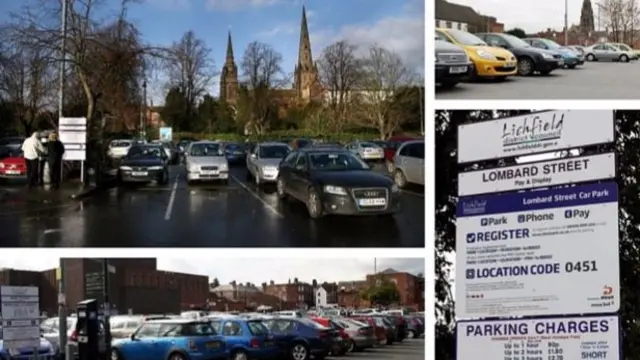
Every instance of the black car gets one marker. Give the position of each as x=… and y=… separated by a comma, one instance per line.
x=144, y=163
x=335, y=181
x=530, y=59
x=235, y=152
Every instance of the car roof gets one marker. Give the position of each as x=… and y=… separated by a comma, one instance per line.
x=177, y=321
x=271, y=143
x=205, y=142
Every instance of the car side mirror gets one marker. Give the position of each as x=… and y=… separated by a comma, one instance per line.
x=253, y=156
x=132, y=337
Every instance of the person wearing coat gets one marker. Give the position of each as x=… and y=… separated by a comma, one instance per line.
x=32, y=148
x=55, y=152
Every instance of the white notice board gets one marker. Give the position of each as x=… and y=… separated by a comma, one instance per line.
x=73, y=135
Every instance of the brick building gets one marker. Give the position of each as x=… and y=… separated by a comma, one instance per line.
x=461, y=17
x=299, y=293
x=410, y=287
x=134, y=285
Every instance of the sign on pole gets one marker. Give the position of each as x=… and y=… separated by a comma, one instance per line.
x=595, y=337
x=166, y=134
x=533, y=133
x=73, y=135
x=539, y=174
x=538, y=253
x=20, y=317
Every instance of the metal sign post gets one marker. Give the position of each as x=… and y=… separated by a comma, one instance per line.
x=20, y=317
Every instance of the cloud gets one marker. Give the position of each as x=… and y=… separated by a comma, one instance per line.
x=171, y=4
x=236, y=5
x=286, y=28
x=255, y=270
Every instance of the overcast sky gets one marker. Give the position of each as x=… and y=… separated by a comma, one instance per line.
x=256, y=270
x=532, y=16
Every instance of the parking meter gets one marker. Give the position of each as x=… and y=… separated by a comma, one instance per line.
x=87, y=329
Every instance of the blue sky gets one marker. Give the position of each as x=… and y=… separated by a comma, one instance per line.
x=396, y=24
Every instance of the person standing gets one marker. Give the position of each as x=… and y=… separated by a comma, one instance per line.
x=55, y=151
x=31, y=150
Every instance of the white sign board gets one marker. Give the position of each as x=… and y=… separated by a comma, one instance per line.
x=20, y=316
x=539, y=174
x=73, y=134
x=595, y=337
x=538, y=253
x=534, y=133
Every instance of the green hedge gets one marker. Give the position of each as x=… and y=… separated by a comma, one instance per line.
x=277, y=135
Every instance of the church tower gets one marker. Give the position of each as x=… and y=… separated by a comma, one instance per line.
x=229, y=76
x=306, y=79
x=586, y=18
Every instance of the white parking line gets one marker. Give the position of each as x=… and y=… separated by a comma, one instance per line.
x=255, y=195
x=172, y=199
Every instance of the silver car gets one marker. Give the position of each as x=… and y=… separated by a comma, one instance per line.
x=205, y=161
x=362, y=335
x=366, y=151
x=409, y=164
x=607, y=52
x=263, y=162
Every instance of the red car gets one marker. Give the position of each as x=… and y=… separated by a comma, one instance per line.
x=13, y=166
x=341, y=341
x=380, y=332
x=391, y=147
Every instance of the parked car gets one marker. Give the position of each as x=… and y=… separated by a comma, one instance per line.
x=341, y=339
x=143, y=164
x=627, y=48
x=45, y=351
x=361, y=335
x=391, y=149
x=380, y=332
x=50, y=330
x=570, y=57
x=488, y=62
x=577, y=48
x=530, y=59
x=452, y=63
x=301, y=338
x=235, y=152
x=263, y=163
x=205, y=161
x=12, y=165
x=365, y=150
x=334, y=181
x=409, y=164
x=607, y=52
x=300, y=143
x=246, y=339
x=13, y=142
x=173, y=339
x=415, y=327
x=119, y=148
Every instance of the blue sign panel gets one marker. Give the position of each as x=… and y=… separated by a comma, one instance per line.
x=166, y=134
x=537, y=200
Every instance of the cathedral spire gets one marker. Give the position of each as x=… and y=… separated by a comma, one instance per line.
x=229, y=48
x=304, y=52
x=586, y=17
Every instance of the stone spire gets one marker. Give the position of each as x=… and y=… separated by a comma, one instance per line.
x=229, y=76
x=586, y=17
x=305, y=61
x=229, y=49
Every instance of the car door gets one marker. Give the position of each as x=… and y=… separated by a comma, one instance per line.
x=299, y=177
x=253, y=161
x=612, y=52
x=419, y=152
x=233, y=334
x=286, y=167
x=143, y=345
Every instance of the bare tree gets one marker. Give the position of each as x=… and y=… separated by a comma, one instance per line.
x=615, y=18
x=190, y=68
x=340, y=71
x=384, y=77
x=262, y=71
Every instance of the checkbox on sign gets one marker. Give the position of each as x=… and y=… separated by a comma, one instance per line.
x=567, y=214
x=521, y=218
x=484, y=222
x=471, y=238
x=470, y=274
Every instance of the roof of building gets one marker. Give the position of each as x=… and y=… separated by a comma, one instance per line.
x=238, y=287
x=454, y=12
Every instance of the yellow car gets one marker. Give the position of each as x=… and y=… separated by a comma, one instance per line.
x=487, y=61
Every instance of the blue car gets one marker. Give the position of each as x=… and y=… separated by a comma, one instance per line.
x=171, y=339
x=571, y=58
x=45, y=351
x=301, y=338
x=246, y=339
x=235, y=153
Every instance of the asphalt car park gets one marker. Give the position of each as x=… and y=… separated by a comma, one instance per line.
x=593, y=80
x=409, y=349
x=239, y=214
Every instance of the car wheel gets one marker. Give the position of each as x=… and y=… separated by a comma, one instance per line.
x=399, y=179
x=591, y=57
x=176, y=356
x=314, y=204
x=280, y=189
x=624, y=58
x=525, y=67
x=572, y=66
x=164, y=178
x=411, y=334
x=239, y=355
x=299, y=351
x=352, y=346
x=115, y=354
x=446, y=85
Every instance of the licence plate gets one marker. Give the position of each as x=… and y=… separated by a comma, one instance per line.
x=560, y=62
x=269, y=343
x=139, y=173
x=458, y=70
x=210, y=173
x=510, y=64
x=12, y=172
x=213, y=345
x=372, y=202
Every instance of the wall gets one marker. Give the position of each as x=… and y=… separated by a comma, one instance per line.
x=149, y=301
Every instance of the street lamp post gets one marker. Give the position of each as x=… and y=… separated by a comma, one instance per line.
x=566, y=22
x=107, y=306
x=143, y=110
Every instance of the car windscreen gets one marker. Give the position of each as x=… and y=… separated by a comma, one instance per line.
x=273, y=151
x=516, y=42
x=302, y=143
x=551, y=44
x=139, y=152
x=369, y=145
x=120, y=143
x=210, y=149
x=466, y=38
x=336, y=161
x=313, y=324
x=257, y=328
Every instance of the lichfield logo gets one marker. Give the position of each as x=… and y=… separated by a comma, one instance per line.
x=532, y=130
x=474, y=207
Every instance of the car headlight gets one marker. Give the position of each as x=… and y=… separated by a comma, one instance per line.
x=1, y=165
x=125, y=168
x=335, y=190
x=192, y=168
x=155, y=168
x=486, y=55
x=395, y=188
x=547, y=56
